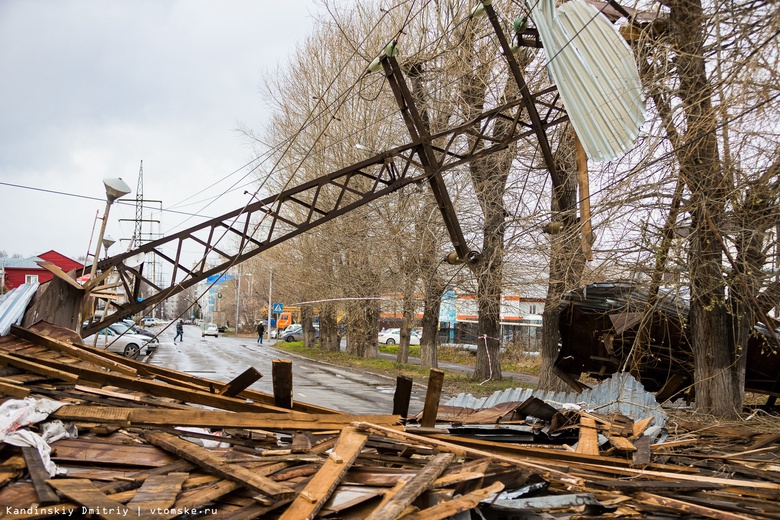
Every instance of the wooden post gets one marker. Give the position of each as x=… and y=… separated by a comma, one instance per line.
x=432, y=397
x=241, y=382
x=587, y=237
x=39, y=475
x=283, y=383
x=403, y=393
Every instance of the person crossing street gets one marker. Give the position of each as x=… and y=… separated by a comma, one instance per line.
x=260, y=332
x=179, y=332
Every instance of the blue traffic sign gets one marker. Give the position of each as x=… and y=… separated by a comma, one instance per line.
x=277, y=308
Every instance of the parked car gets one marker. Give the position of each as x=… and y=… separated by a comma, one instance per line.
x=393, y=336
x=128, y=345
x=210, y=330
x=122, y=326
x=148, y=321
x=296, y=333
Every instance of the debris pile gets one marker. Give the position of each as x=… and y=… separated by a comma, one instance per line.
x=144, y=441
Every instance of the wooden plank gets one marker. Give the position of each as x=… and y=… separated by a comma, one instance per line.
x=465, y=451
x=282, y=375
x=241, y=382
x=301, y=443
x=158, y=492
x=84, y=492
x=731, y=482
x=621, y=443
x=215, y=419
x=37, y=368
x=321, y=486
x=641, y=425
x=198, y=498
x=589, y=440
x=213, y=464
x=457, y=478
x=39, y=475
x=418, y=485
x=12, y=390
x=642, y=454
x=432, y=398
x=59, y=273
x=70, y=350
x=765, y=440
x=94, y=451
x=452, y=507
x=687, y=507
x=632, y=486
x=402, y=396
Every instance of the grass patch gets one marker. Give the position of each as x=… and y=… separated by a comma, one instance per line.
x=454, y=382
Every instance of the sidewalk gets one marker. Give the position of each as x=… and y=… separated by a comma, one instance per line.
x=522, y=379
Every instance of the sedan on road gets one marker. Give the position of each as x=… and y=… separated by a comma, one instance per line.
x=210, y=330
x=393, y=337
x=128, y=345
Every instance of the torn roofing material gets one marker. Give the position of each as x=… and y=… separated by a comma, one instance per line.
x=599, y=324
x=621, y=393
x=13, y=304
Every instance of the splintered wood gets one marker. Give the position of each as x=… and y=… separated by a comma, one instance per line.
x=156, y=443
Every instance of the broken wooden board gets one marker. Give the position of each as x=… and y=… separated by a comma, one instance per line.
x=321, y=486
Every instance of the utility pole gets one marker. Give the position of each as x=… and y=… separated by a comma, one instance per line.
x=270, y=310
x=238, y=296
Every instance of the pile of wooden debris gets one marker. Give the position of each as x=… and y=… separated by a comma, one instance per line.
x=156, y=443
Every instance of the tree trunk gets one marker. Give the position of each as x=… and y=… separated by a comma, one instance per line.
x=406, y=322
x=363, y=329
x=307, y=326
x=429, y=355
x=567, y=260
x=700, y=167
x=329, y=329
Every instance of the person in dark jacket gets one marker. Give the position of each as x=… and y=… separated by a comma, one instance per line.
x=260, y=332
x=179, y=331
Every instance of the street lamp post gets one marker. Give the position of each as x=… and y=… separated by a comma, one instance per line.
x=115, y=188
x=270, y=286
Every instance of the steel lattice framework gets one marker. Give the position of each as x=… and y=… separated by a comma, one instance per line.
x=277, y=218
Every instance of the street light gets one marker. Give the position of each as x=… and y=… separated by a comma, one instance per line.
x=115, y=188
x=108, y=241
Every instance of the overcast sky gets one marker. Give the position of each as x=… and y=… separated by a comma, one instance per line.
x=90, y=88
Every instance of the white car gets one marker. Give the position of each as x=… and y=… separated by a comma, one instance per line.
x=210, y=330
x=393, y=337
x=128, y=345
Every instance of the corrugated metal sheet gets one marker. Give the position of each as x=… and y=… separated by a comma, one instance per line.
x=620, y=393
x=595, y=72
x=13, y=304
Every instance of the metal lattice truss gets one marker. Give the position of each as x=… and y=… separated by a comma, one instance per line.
x=244, y=233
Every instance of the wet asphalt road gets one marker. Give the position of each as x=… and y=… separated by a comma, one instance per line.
x=322, y=384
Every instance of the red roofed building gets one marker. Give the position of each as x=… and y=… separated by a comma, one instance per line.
x=17, y=271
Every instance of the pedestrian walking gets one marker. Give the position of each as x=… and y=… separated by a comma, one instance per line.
x=179, y=331
x=260, y=332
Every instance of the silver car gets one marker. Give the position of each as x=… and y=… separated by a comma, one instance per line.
x=128, y=345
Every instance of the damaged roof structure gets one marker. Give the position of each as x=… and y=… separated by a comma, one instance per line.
x=599, y=324
x=90, y=433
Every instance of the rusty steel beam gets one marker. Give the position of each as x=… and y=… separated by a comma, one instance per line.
x=533, y=112
x=419, y=132
x=277, y=218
